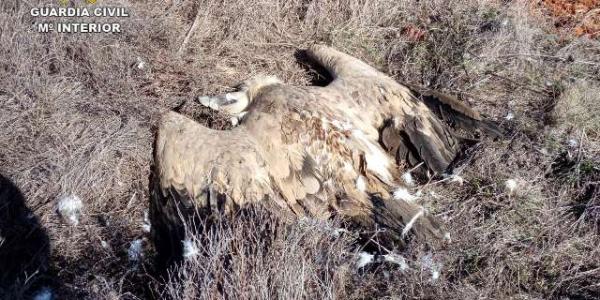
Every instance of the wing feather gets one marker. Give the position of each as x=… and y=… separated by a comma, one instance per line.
x=203, y=163
x=294, y=172
x=198, y=162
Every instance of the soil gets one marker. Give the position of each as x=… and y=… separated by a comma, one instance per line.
x=580, y=17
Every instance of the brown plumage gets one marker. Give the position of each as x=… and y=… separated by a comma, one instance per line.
x=312, y=151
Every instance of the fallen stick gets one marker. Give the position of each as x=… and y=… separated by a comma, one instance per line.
x=189, y=34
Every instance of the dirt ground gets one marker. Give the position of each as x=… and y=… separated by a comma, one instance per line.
x=580, y=17
x=78, y=114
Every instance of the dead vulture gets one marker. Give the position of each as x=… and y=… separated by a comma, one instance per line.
x=313, y=151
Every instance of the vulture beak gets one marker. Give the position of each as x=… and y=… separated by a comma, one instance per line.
x=231, y=103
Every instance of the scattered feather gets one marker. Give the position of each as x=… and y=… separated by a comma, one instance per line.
x=510, y=186
x=146, y=216
x=146, y=225
x=189, y=249
x=135, y=251
x=435, y=275
x=408, y=179
x=457, y=179
x=429, y=264
x=412, y=221
x=69, y=208
x=338, y=232
x=396, y=259
x=403, y=194
x=140, y=63
x=44, y=294
x=509, y=116
x=573, y=143
x=447, y=237
x=364, y=259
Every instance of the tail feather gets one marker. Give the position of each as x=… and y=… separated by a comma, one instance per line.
x=398, y=217
x=421, y=139
x=428, y=137
x=456, y=112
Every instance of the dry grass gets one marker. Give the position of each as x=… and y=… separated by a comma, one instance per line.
x=582, y=17
x=578, y=106
x=259, y=256
x=76, y=118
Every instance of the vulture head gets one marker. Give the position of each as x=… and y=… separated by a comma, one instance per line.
x=311, y=151
x=236, y=103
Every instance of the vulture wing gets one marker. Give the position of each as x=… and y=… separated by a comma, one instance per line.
x=200, y=169
x=310, y=150
x=209, y=168
x=223, y=170
x=413, y=124
x=456, y=112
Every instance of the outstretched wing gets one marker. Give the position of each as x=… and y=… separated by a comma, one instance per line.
x=228, y=169
x=207, y=167
x=456, y=112
x=411, y=123
x=200, y=169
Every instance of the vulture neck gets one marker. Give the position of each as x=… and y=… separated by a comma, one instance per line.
x=253, y=86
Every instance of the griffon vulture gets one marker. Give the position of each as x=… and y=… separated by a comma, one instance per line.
x=315, y=151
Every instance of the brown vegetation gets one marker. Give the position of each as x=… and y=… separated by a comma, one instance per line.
x=580, y=16
x=77, y=113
